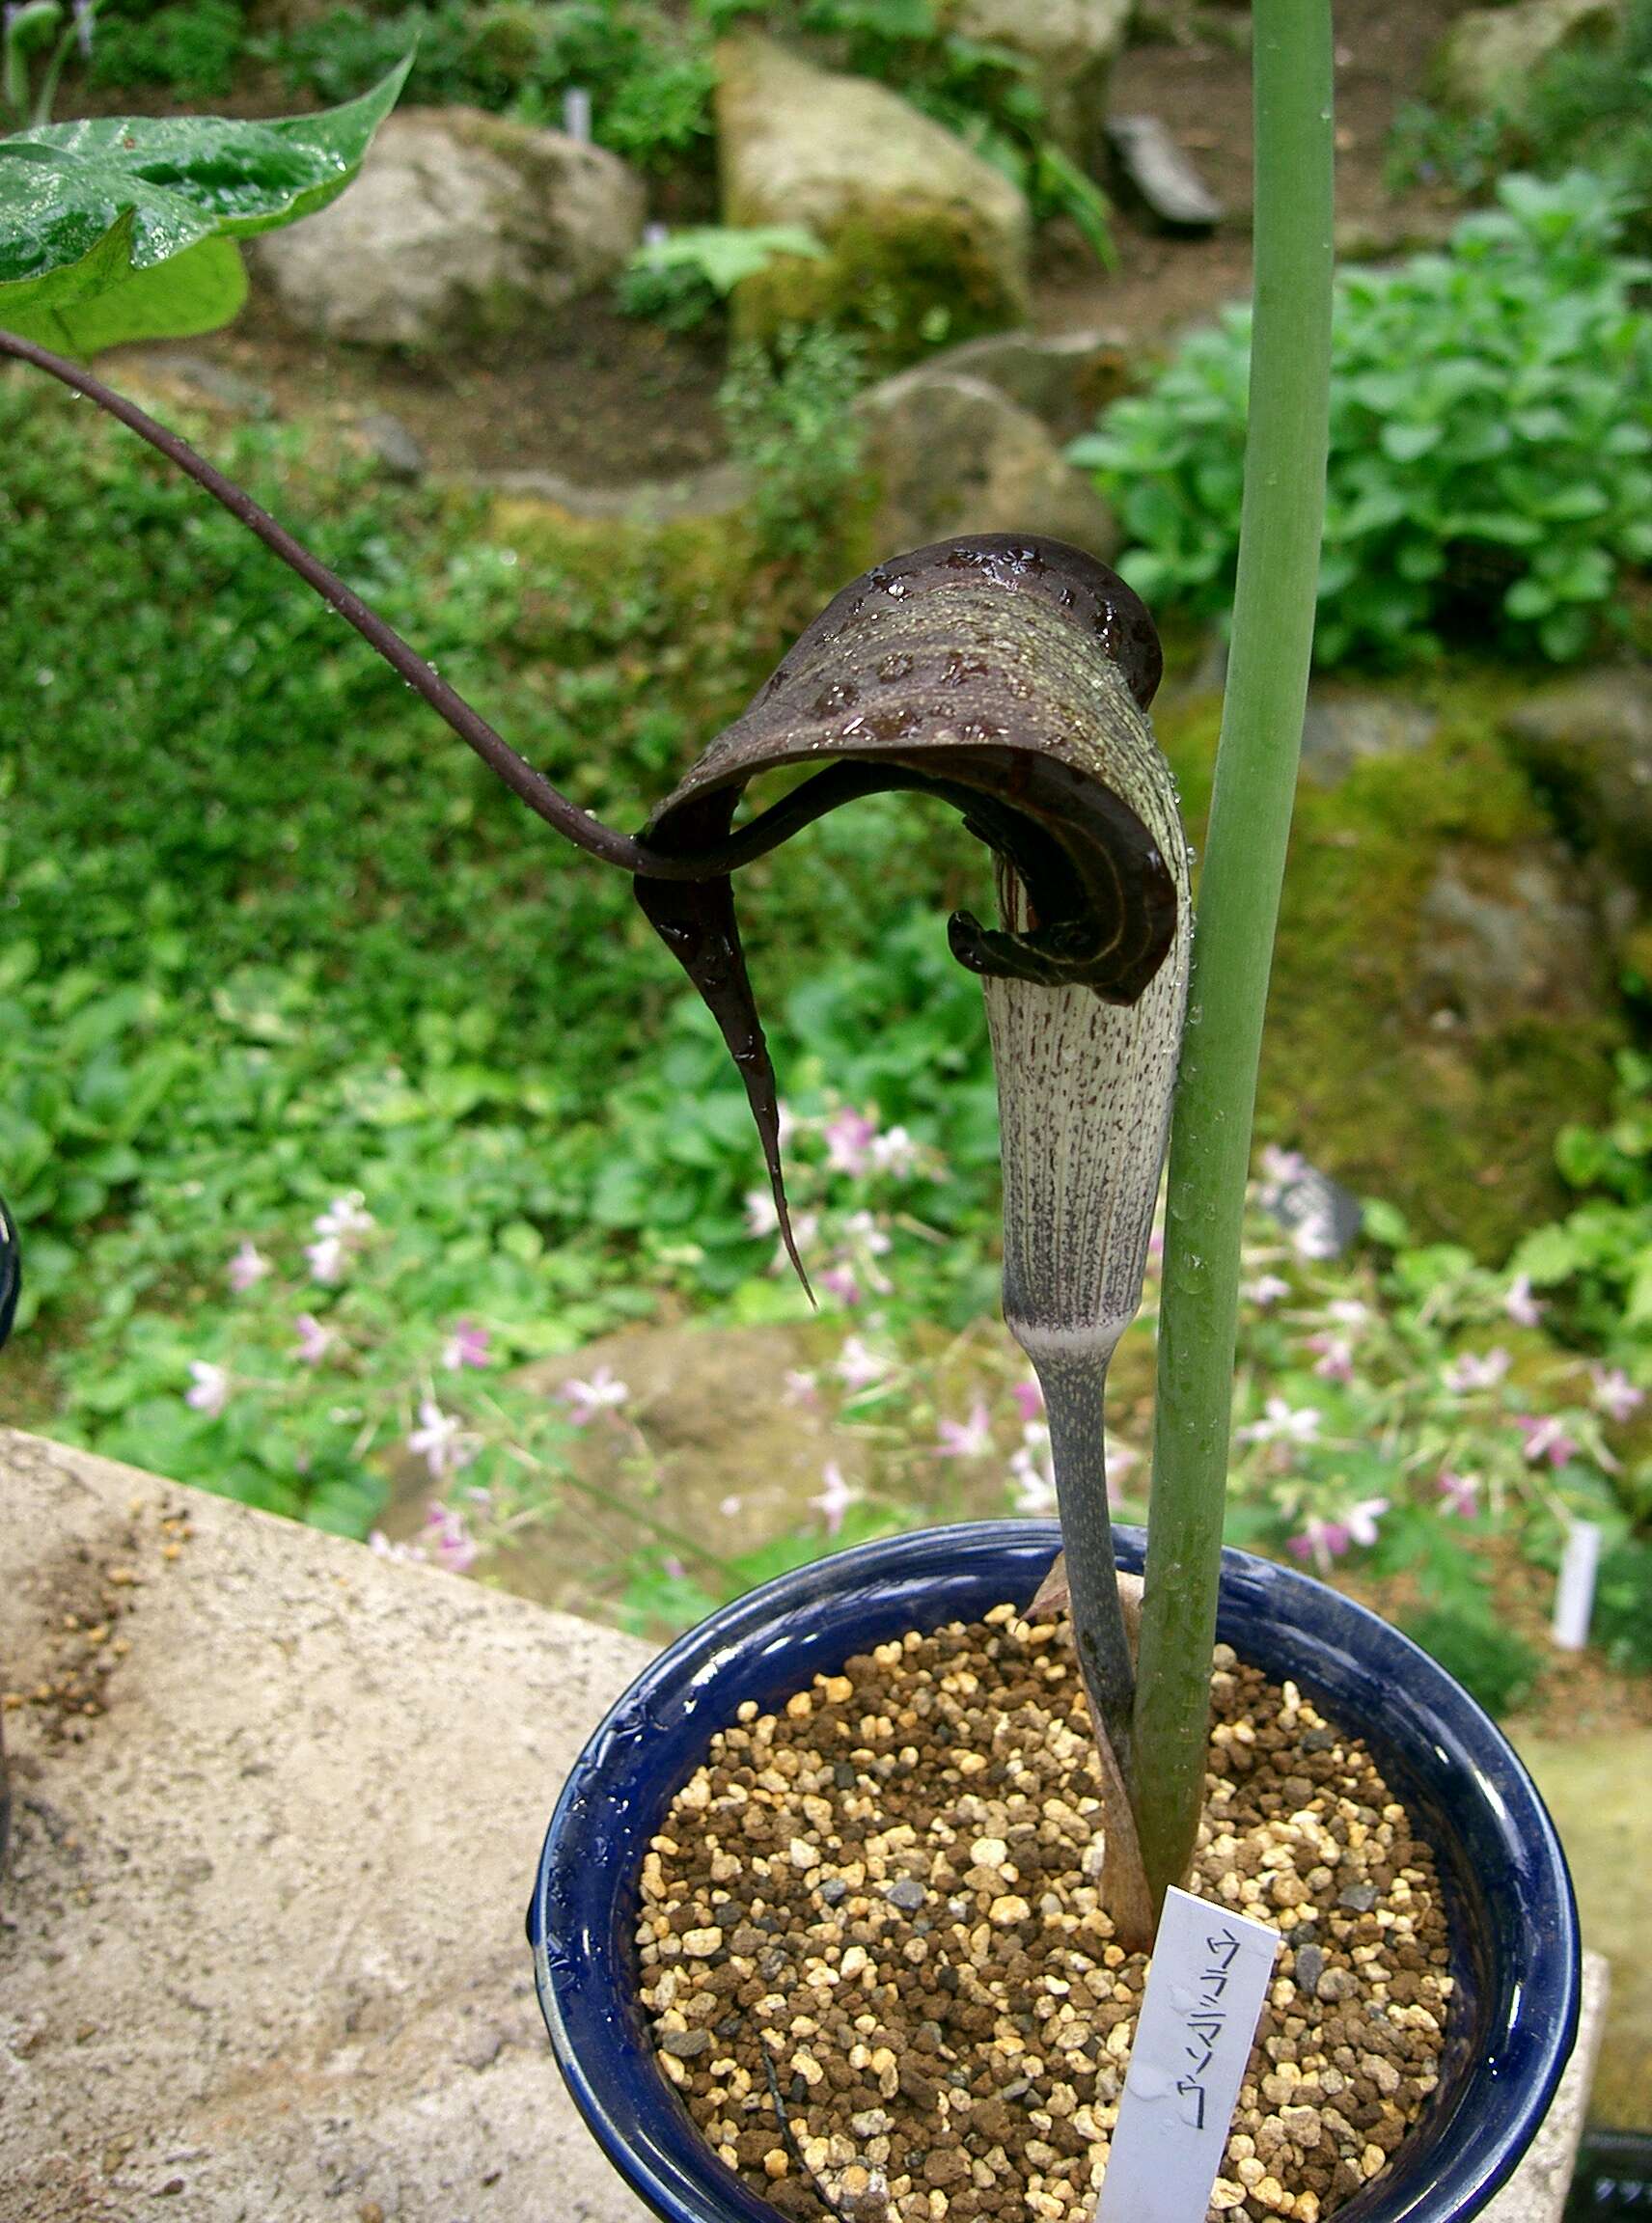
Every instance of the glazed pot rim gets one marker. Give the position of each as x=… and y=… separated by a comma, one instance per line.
x=1514, y=1932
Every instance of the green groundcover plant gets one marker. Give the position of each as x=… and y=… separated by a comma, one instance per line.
x=1491, y=443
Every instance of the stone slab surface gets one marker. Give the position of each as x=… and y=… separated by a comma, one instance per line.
x=261, y=1946
x=262, y=1954
x=1537, y=2192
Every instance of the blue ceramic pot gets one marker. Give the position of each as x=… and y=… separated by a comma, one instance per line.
x=1509, y=1909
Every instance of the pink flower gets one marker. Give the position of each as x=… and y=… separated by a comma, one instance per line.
x=1469, y=1374
x=729, y=1506
x=440, y=1440
x=1283, y=1423
x=208, y=1388
x=1033, y=1474
x=467, y=1346
x=856, y=1367
x=1335, y=1360
x=247, y=1266
x=604, y=1392
x=839, y=1281
x=1460, y=1492
x=970, y=1438
x=849, y=1139
x=800, y=1387
x=674, y=1569
x=1545, y=1437
x=1320, y=1541
x=834, y=1499
x=1613, y=1393
x=1522, y=1307
x=1267, y=1289
x=1028, y=1400
x=1283, y=1167
x=1348, y=1312
x=313, y=1340
x=451, y=1542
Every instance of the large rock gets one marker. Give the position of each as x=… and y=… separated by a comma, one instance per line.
x=460, y=225
x=1069, y=46
x=954, y=454
x=1507, y=941
x=1590, y=741
x=1444, y=993
x=926, y=242
x=1490, y=54
x=1065, y=379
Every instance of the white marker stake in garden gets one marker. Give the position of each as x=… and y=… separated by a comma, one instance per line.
x=1205, y=1988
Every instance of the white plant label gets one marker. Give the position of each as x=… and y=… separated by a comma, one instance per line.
x=1207, y=1984
x=1575, y=1593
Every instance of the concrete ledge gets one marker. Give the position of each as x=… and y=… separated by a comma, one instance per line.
x=261, y=1956
x=262, y=1947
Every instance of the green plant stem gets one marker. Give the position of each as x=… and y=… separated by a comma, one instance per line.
x=1238, y=907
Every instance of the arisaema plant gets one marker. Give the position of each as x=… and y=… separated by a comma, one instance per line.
x=1008, y=680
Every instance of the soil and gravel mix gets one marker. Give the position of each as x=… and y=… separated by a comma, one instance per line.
x=880, y=1976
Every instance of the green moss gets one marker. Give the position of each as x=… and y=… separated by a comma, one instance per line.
x=903, y=287
x=1455, y=1128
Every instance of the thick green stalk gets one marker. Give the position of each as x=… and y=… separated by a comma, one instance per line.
x=1238, y=906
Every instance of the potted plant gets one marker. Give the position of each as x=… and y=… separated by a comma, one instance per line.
x=1009, y=679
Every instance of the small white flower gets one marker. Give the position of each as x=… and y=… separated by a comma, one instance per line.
x=1283, y=1423
x=1522, y=1306
x=834, y=1499
x=856, y=1367
x=604, y=1393
x=440, y=1439
x=208, y=1388
x=1613, y=1393
x=762, y=1212
x=1267, y=1289
x=1361, y=1521
x=326, y=1258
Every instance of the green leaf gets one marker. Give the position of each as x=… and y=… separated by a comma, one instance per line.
x=195, y=292
x=726, y=254
x=83, y=205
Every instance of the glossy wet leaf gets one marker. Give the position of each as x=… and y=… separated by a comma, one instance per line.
x=198, y=290
x=84, y=204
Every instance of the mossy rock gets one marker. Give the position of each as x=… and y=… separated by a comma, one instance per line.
x=1444, y=1104
x=926, y=243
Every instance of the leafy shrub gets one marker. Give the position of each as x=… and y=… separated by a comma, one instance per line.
x=790, y=421
x=682, y=280
x=190, y=46
x=1622, y=1622
x=1589, y=106
x=1491, y=419
x=1496, y=1668
x=1592, y=105
x=649, y=75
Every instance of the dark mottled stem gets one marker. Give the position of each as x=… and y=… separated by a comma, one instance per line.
x=1074, y=1389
